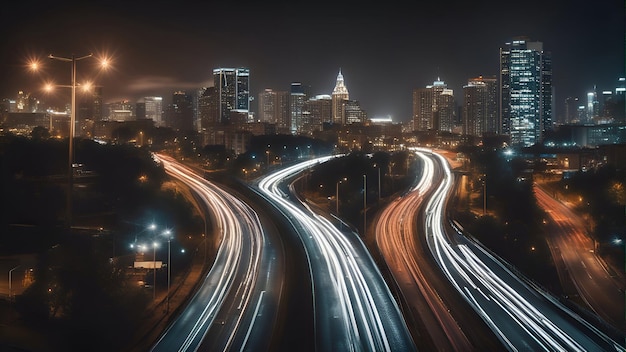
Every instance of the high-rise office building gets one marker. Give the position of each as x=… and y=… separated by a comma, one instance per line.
x=593, y=106
x=339, y=96
x=352, y=112
x=613, y=108
x=151, y=108
x=121, y=111
x=209, y=116
x=317, y=111
x=180, y=112
x=571, y=115
x=26, y=102
x=525, y=91
x=22, y=101
x=267, y=106
x=208, y=108
x=480, y=107
x=89, y=105
x=233, y=91
x=297, y=98
x=434, y=108
x=97, y=103
x=282, y=113
x=274, y=108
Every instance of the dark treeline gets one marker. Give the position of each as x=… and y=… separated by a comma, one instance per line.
x=82, y=297
x=267, y=150
x=513, y=226
x=344, y=177
x=602, y=195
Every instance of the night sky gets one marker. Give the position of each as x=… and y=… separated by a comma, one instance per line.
x=383, y=50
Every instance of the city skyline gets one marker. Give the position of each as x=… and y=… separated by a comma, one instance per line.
x=157, y=50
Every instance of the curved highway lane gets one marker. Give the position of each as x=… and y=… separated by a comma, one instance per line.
x=428, y=295
x=235, y=307
x=522, y=316
x=354, y=308
x=602, y=292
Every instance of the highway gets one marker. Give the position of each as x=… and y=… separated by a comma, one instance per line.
x=235, y=308
x=354, y=308
x=432, y=302
x=570, y=245
x=521, y=315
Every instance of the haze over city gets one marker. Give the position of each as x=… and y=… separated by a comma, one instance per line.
x=384, y=50
x=312, y=177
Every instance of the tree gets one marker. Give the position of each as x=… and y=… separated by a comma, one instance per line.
x=80, y=292
x=40, y=133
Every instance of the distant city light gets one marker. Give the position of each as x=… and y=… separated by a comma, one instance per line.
x=386, y=119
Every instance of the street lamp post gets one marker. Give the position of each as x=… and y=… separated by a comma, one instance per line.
x=391, y=176
x=205, y=245
x=70, y=163
x=169, y=267
x=378, y=167
x=364, y=204
x=485, y=195
x=337, y=198
x=154, y=245
x=337, y=195
x=11, y=282
x=337, y=201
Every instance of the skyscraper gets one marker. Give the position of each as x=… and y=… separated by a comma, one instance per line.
x=614, y=108
x=352, y=112
x=593, y=106
x=571, y=111
x=480, y=107
x=233, y=90
x=180, y=112
x=22, y=101
x=208, y=108
x=317, y=111
x=90, y=105
x=297, y=98
x=274, y=108
x=525, y=91
x=339, y=96
x=433, y=107
x=152, y=109
x=122, y=110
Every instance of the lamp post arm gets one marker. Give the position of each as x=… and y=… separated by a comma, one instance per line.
x=11, y=281
x=69, y=59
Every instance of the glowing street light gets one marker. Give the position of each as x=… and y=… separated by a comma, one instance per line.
x=169, y=266
x=34, y=66
x=73, y=60
x=337, y=195
x=154, y=246
x=378, y=167
x=153, y=227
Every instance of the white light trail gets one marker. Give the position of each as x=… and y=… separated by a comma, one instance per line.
x=535, y=320
x=240, y=227
x=353, y=310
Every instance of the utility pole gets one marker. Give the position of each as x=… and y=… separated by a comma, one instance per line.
x=364, y=204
